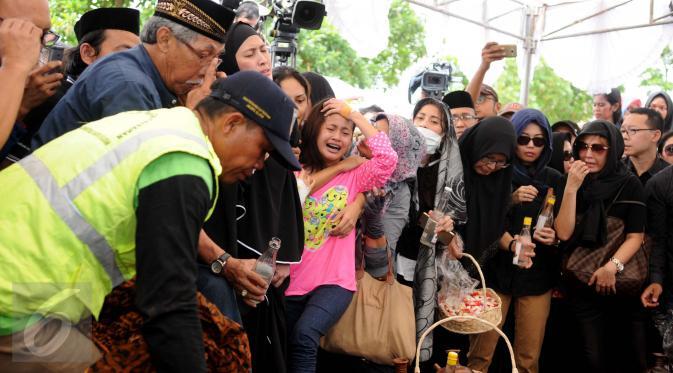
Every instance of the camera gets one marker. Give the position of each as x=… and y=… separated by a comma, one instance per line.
x=308, y=14
x=434, y=80
x=293, y=15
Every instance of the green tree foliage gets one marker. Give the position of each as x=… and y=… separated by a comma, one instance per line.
x=458, y=78
x=658, y=77
x=65, y=13
x=325, y=52
x=553, y=95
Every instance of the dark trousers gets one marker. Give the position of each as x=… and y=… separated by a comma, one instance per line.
x=219, y=292
x=612, y=332
x=309, y=317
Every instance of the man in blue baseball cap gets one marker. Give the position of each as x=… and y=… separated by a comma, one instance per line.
x=122, y=197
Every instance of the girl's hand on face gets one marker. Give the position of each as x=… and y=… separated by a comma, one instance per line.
x=334, y=106
x=578, y=171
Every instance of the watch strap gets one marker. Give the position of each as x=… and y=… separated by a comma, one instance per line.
x=618, y=264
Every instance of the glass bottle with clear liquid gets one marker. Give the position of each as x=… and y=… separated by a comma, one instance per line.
x=546, y=217
x=524, y=238
x=266, y=263
x=429, y=237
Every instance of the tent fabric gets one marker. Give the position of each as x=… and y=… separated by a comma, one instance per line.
x=594, y=63
x=363, y=23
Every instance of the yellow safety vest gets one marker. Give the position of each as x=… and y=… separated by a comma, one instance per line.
x=68, y=222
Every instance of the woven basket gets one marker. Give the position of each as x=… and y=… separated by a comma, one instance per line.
x=463, y=325
x=476, y=320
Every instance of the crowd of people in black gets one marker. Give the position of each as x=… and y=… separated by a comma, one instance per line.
x=146, y=172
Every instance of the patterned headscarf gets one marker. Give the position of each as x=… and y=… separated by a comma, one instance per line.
x=409, y=145
x=450, y=174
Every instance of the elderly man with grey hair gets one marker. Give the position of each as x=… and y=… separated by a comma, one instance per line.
x=180, y=47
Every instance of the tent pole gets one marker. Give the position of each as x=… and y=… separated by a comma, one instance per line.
x=462, y=18
x=529, y=49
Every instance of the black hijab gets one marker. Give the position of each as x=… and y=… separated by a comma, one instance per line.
x=558, y=141
x=601, y=188
x=527, y=175
x=236, y=36
x=320, y=87
x=487, y=196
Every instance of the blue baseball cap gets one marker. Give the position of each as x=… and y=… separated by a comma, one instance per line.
x=259, y=99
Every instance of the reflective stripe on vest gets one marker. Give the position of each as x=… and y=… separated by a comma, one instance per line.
x=61, y=199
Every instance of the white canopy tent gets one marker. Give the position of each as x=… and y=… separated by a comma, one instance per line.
x=595, y=44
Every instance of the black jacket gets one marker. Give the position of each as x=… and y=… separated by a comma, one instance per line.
x=660, y=226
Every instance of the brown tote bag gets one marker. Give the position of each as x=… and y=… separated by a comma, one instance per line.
x=379, y=324
x=583, y=262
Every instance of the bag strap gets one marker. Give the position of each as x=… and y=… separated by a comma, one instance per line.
x=614, y=200
x=359, y=272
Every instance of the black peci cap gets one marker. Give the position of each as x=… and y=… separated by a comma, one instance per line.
x=125, y=19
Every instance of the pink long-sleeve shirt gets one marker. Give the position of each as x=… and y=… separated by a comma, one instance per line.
x=329, y=260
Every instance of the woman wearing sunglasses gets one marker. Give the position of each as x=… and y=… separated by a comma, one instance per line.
x=562, y=152
x=611, y=324
x=666, y=147
x=528, y=290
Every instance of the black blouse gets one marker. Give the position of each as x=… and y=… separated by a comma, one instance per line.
x=508, y=278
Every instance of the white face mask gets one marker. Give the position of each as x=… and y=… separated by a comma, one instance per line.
x=432, y=139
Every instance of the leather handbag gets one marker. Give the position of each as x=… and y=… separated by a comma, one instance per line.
x=583, y=262
x=379, y=323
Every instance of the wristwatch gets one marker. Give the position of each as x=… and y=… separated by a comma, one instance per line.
x=218, y=265
x=618, y=264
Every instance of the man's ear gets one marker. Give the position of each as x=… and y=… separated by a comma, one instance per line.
x=497, y=107
x=87, y=53
x=230, y=122
x=164, y=35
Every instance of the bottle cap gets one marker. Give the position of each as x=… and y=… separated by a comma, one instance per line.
x=527, y=220
x=452, y=359
x=274, y=243
x=551, y=200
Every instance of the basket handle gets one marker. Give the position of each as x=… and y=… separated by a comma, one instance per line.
x=481, y=277
x=417, y=368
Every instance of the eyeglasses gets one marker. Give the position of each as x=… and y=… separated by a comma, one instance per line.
x=493, y=162
x=482, y=98
x=668, y=149
x=464, y=118
x=567, y=155
x=595, y=148
x=538, y=142
x=634, y=131
x=48, y=38
x=203, y=60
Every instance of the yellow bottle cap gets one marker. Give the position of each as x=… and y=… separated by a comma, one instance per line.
x=527, y=220
x=452, y=359
x=551, y=200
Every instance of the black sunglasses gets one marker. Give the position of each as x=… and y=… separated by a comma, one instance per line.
x=538, y=142
x=567, y=155
x=668, y=149
x=595, y=148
